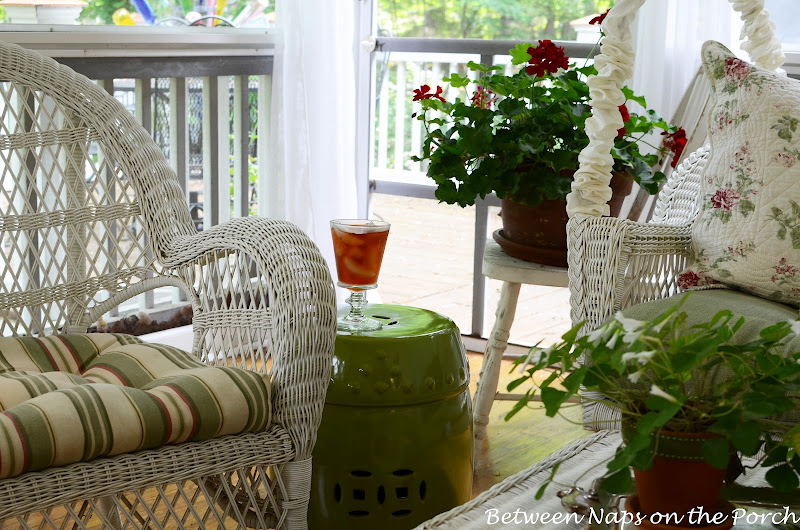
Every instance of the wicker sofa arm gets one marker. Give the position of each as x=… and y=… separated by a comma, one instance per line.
x=264, y=299
x=615, y=263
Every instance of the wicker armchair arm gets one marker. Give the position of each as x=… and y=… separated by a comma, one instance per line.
x=264, y=299
x=615, y=263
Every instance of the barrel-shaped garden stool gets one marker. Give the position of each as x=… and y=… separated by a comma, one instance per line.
x=395, y=444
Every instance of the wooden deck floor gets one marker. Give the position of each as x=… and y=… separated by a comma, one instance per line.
x=511, y=446
x=428, y=263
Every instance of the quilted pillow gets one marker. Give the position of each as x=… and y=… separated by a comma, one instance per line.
x=747, y=235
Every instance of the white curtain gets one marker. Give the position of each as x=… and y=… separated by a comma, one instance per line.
x=667, y=39
x=312, y=162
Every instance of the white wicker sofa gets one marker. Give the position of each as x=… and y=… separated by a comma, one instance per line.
x=91, y=214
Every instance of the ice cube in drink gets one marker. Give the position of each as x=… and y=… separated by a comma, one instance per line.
x=359, y=246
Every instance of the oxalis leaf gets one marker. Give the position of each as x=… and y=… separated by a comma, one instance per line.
x=793, y=438
x=552, y=399
x=747, y=438
x=618, y=482
x=783, y=478
x=716, y=452
x=540, y=491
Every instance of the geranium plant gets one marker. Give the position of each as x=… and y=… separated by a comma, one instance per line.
x=521, y=134
x=660, y=375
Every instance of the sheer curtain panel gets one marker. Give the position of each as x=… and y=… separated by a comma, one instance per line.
x=312, y=167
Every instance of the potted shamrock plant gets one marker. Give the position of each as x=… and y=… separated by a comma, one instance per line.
x=690, y=399
x=519, y=136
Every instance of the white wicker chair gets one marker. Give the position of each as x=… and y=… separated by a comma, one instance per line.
x=92, y=215
x=616, y=263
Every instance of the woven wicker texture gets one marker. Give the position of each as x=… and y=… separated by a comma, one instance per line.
x=581, y=463
x=92, y=215
x=615, y=263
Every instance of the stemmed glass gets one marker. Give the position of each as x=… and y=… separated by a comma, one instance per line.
x=358, y=245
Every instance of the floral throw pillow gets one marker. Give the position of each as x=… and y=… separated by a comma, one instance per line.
x=747, y=235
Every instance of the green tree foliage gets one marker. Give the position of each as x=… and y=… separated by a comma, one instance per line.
x=486, y=19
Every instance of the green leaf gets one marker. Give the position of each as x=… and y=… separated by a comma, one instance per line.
x=457, y=80
x=540, y=491
x=796, y=237
x=552, y=399
x=476, y=67
x=515, y=383
x=573, y=381
x=618, y=482
x=716, y=452
x=629, y=95
x=783, y=478
x=518, y=406
x=747, y=438
x=519, y=53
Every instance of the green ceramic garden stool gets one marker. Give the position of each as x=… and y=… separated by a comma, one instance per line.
x=395, y=444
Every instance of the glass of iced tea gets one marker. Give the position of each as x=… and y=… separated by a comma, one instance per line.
x=358, y=245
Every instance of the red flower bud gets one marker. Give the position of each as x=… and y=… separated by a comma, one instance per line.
x=675, y=142
x=599, y=18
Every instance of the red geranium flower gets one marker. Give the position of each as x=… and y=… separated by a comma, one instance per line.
x=483, y=98
x=623, y=110
x=675, y=142
x=599, y=18
x=546, y=58
x=424, y=92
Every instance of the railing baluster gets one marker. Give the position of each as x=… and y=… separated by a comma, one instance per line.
x=144, y=113
x=241, y=145
x=399, y=116
x=108, y=180
x=216, y=151
x=382, y=132
x=179, y=146
x=416, y=126
x=264, y=116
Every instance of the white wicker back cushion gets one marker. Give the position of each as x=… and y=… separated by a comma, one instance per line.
x=748, y=232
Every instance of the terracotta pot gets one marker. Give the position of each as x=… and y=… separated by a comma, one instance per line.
x=539, y=233
x=679, y=480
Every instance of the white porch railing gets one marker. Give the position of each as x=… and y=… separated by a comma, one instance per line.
x=403, y=64
x=204, y=94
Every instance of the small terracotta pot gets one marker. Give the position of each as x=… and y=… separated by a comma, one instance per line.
x=680, y=479
x=539, y=233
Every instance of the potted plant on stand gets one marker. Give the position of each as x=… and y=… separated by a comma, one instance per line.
x=690, y=401
x=519, y=136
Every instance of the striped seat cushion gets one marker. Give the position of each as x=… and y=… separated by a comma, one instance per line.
x=72, y=398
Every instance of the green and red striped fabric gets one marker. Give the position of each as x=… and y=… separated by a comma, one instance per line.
x=72, y=398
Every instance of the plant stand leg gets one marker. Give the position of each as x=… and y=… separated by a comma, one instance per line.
x=490, y=370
